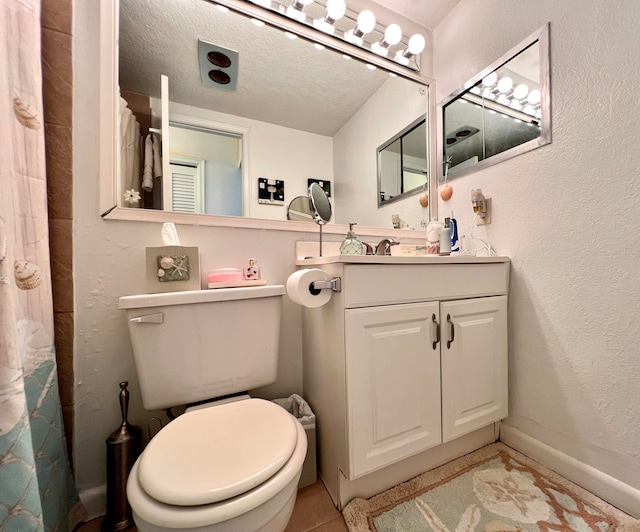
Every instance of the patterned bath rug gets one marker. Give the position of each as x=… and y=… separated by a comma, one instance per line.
x=494, y=489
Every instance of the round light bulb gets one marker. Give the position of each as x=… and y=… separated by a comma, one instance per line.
x=534, y=97
x=336, y=9
x=366, y=21
x=505, y=84
x=392, y=34
x=416, y=44
x=490, y=80
x=520, y=91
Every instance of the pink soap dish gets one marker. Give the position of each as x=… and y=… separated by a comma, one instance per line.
x=237, y=284
x=224, y=275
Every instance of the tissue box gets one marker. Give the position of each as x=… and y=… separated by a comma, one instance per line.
x=172, y=269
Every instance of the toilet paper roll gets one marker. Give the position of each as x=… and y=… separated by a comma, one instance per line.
x=298, y=288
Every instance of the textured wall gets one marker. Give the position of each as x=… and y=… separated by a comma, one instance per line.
x=568, y=216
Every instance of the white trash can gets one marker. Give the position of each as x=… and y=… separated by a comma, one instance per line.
x=301, y=410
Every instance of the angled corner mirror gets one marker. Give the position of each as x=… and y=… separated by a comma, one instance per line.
x=402, y=163
x=501, y=113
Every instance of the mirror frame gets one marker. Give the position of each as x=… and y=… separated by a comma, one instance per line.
x=109, y=157
x=408, y=193
x=542, y=37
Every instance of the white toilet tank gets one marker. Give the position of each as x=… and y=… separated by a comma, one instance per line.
x=196, y=345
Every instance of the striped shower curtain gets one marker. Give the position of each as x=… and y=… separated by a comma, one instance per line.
x=36, y=487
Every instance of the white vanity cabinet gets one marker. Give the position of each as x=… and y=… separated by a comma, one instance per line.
x=407, y=361
x=422, y=374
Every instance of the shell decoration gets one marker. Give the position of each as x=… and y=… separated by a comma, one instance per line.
x=27, y=275
x=166, y=262
x=26, y=114
x=446, y=191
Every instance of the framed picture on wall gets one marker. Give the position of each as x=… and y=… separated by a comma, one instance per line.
x=326, y=185
x=270, y=191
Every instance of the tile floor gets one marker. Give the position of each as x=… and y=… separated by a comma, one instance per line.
x=314, y=510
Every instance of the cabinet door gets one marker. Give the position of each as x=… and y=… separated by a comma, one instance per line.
x=474, y=364
x=393, y=384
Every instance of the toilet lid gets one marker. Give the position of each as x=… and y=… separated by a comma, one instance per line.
x=216, y=453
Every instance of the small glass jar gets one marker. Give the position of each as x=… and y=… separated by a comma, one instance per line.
x=251, y=271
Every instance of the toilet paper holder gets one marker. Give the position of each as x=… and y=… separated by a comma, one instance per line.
x=334, y=284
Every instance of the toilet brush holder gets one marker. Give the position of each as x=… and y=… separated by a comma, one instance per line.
x=123, y=448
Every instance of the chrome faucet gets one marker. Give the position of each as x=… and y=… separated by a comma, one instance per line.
x=368, y=249
x=384, y=246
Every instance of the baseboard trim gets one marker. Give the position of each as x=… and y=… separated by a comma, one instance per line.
x=94, y=501
x=615, y=492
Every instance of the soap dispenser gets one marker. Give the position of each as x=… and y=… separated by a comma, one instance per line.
x=351, y=245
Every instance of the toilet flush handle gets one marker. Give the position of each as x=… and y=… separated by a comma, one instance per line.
x=149, y=318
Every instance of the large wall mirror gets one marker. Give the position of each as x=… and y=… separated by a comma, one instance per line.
x=271, y=109
x=501, y=113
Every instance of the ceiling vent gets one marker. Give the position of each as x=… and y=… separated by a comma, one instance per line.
x=460, y=134
x=218, y=65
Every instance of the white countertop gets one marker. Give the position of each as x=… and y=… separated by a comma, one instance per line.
x=390, y=259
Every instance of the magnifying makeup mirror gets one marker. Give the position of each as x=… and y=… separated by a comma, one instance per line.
x=299, y=209
x=320, y=206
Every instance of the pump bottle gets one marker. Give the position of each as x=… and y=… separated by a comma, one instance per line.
x=351, y=245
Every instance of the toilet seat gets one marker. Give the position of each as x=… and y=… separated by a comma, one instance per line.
x=213, y=454
x=162, y=515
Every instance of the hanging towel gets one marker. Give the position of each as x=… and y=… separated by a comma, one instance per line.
x=129, y=150
x=157, y=157
x=135, y=159
x=147, y=173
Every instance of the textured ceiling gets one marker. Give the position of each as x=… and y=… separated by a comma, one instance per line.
x=427, y=13
x=282, y=81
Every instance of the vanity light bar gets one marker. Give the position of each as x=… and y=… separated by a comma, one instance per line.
x=501, y=108
x=507, y=93
x=359, y=29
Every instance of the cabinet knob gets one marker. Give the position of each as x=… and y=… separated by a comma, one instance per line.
x=452, y=331
x=435, y=321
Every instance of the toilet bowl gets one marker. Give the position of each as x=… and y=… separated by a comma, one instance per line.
x=224, y=468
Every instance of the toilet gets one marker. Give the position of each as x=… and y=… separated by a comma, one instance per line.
x=230, y=462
